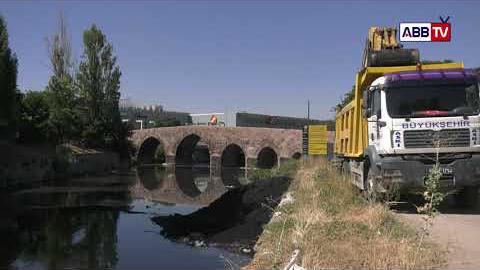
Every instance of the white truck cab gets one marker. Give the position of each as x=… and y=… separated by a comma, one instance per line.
x=417, y=117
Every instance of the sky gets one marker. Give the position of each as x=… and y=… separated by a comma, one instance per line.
x=215, y=56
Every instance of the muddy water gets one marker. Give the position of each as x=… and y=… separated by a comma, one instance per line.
x=106, y=222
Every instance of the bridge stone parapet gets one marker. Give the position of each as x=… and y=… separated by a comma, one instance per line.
x=255, y=145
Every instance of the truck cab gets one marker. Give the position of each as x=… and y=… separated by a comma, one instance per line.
x=416, y=118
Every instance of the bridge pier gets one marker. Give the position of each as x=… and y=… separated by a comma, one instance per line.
x=215, y=164
x=282, y=160
x=170, y=159
x=251, y=162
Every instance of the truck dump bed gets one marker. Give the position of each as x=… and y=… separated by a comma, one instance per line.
x=350, y=126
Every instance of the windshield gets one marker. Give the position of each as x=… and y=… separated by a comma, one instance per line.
x=428, y=101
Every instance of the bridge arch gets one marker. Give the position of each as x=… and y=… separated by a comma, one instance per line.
x=149, y=149
x=267, y=158
x=233, y=156
x=192, y=150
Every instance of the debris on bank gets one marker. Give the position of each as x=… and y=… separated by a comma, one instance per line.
x=234, y=221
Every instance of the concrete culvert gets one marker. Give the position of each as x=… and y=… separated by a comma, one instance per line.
x=267, y=158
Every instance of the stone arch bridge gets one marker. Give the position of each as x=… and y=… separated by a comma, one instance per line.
x=226, y=146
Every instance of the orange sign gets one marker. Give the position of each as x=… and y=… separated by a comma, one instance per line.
x=213, y=120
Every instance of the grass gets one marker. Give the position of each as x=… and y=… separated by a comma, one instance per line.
x=333, y=226
x=287, y=168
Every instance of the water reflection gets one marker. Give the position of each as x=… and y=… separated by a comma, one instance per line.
x=105, y=222
x=186, y=185
x=62, y=227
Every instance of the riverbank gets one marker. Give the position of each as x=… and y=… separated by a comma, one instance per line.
x=332, y=226
x=22, y=165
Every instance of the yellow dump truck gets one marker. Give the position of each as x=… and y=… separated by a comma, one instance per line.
x=405, y=116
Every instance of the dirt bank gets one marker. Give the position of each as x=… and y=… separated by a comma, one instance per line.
x=330, y=225
x=22, y=165
x=233, y=221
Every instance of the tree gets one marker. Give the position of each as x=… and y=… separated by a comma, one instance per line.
x=98, y=80
x=347, y=98
x=61, y=93
x=35, y=113
x=8, y=85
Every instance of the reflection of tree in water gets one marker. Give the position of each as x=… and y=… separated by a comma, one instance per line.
x=152, y=177
x=71, y=238
x=192, y=181
x=10, y=246
x=69, y=229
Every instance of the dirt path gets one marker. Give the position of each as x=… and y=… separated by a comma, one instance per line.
x=459, y=231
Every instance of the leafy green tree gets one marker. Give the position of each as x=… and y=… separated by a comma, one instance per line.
x=98, y=80
x=347, y=98
x=35, y=113
x=61, y=91
x=8, y=85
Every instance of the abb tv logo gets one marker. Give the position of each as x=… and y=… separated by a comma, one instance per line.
x=426, y=32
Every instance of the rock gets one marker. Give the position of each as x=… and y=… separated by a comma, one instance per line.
x=246, y=250
x=287, y=199
x=276, y=215
x=198, y=243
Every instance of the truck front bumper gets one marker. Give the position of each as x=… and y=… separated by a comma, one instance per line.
x=411, y=173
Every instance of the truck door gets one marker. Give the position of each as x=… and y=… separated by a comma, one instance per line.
x=375, y=115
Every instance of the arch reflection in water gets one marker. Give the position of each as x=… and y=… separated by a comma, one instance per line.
x=152, y=177
x=192, y=181
x=95, y=224
x=186, y=185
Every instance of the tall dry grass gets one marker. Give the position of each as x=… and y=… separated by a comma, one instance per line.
x=333, y=226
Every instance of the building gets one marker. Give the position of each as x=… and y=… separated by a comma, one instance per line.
x=244, y=119
x=148, y=116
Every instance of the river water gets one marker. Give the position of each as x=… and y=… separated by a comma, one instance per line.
x=105, y=222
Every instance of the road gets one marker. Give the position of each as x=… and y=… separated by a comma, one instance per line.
x=459, y=231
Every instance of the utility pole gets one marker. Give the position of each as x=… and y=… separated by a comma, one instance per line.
x=308, y=111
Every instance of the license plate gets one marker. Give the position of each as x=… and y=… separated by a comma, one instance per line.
x=445, y=170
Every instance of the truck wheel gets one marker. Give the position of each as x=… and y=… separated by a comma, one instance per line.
x=467, y=197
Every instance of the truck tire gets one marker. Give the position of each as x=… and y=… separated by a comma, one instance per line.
x=468, y=197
